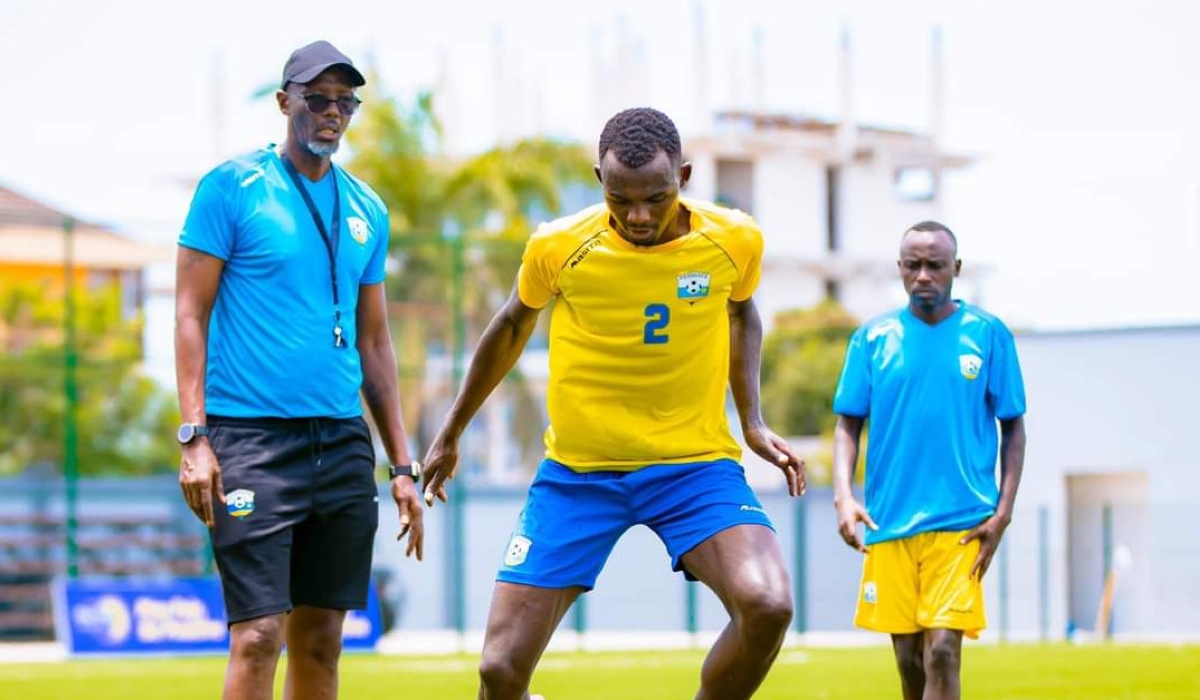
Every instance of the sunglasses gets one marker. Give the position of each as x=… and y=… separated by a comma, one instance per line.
x=318, y=103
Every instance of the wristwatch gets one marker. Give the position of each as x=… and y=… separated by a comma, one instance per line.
x=191, y=431
x=412, y=471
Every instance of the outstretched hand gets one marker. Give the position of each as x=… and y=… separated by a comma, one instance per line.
x=441, y=462
x=988, y=533
x=777, y=451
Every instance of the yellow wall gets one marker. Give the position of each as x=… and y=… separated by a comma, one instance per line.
x=50, y=276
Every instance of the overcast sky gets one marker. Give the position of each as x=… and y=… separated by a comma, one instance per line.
x=1084, y=115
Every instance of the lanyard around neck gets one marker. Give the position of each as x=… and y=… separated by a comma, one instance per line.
x=330, y=240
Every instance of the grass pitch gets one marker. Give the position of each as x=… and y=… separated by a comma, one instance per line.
x=1014, y=672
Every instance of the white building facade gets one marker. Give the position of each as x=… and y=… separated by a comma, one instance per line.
x=832, y=201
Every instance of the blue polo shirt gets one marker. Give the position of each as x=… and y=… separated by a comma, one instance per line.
x=932, y=396
x=270, y=340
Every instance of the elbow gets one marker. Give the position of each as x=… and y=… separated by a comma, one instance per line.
x=375, y=354
x=187, y=325
x=1013, y=430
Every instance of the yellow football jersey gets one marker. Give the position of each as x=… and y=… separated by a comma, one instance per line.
x=639, y=336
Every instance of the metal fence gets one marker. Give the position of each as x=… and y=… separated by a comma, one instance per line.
x=1099, y=571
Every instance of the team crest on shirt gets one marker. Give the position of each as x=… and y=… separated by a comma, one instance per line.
x=870, y=595
x=692, y=285
x=359, y=230
x=518, y=550
x=240, y=503
x=970, y=364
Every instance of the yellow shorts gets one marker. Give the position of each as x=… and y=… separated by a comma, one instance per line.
x=921, y=582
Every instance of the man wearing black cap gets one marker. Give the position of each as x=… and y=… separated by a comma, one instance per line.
x=280, y=323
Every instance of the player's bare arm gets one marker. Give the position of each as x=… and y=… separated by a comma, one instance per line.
x=850, y=512
x=381, y=391
x=198, y=276
x=498, y=350
x=1012, y=464
x=745, y=361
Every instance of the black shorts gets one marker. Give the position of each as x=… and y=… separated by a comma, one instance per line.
x=298, y=525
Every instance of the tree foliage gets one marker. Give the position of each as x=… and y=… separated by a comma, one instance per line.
x=124, y=419
x=801, y=361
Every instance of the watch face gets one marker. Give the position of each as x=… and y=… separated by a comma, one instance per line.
x=187, y=431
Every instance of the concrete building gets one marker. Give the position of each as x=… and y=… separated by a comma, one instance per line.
x=831, y=213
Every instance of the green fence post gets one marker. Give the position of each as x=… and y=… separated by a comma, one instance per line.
x=71, y=392
x=691, y=611
x=579, y=615
x=458, y=493
x=1044, y=572
x=1107, y=525
x=1003, y=582
x=800, y=564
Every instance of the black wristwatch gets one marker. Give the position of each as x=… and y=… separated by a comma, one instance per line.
x=191, y=431
x=412, y=471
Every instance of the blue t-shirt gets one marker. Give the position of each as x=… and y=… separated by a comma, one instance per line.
x=270, y=339
x=932, y=395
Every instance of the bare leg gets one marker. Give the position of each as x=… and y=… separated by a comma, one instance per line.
x=314, y=645
x=253, y=656
x=520, y=623
x=744, y=567
x=943, y=661
x=910, y=661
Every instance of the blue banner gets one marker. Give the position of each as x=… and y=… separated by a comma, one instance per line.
x=157, y=616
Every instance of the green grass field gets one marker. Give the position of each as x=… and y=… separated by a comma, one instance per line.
x=1016, y=672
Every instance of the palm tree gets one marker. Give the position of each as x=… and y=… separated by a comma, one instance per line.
x=482, y=208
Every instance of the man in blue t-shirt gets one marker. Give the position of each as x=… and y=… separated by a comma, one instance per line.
x=280, y=322
x=933, y=378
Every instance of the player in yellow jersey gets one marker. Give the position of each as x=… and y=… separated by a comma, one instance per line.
x=652, y=319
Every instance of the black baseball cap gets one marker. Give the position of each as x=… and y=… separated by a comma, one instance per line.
x=307, y=62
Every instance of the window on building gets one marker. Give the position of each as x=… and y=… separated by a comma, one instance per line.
x=915, y=184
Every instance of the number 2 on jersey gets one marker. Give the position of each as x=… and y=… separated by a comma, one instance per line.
x=658, y=315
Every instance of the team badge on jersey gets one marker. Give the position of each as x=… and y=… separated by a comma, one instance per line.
x=240, y=503
x=518, y=549
x=359, y=230
x=970, y=364
x=692, y=285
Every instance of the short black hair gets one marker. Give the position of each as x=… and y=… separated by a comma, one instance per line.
x=934, y=227
x=636, y=136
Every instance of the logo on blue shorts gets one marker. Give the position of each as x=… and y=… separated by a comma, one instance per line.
x=518, y=550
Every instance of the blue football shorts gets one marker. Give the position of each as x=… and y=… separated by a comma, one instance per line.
x=572, y=520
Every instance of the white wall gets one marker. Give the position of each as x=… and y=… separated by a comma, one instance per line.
x=1113, y=402
x=873, y=216
x=789, y=204
x=703, y=184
